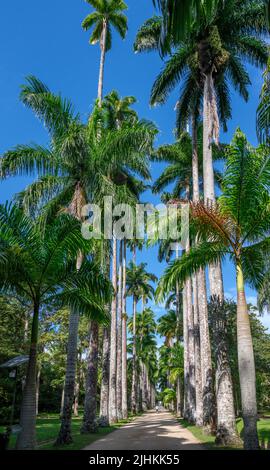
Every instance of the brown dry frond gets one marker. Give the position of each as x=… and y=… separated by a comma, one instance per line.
x=213, y=222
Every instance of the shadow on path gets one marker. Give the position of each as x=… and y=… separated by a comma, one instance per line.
x=152, y=431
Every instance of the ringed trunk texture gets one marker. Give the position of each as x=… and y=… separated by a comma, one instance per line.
x=119, y=336
x=226, y=424
x=27, y=437
x=124, y=339
x=89, y=424
x=113, y=341
x=102, y=61
x=246, y=367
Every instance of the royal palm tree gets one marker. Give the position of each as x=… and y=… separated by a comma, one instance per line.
x=107, y=14
x=139, y=284
x=78, y=167
x=238, y=226
x=38, y=263
x=168, y=326
x=213, y=51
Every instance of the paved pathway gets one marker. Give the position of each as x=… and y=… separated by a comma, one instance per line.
x=152, y=431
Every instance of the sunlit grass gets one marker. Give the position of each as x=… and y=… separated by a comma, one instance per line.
x=47, y=430
x=263, y=427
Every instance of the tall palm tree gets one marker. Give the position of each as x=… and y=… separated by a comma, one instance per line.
x=78, y=167
x=214, y=51
x=107, y=14
x=39, y=264
x=139, y=284
x=146, y=346
x=179, y=16
x=168, y=327
x=237, y=226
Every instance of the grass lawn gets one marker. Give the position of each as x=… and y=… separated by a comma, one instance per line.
x=263, y=426
x=48, y=427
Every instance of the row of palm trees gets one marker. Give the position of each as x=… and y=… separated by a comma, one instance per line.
x=108, y=156
x=206, y=45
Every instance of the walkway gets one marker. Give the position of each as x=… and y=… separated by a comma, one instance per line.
x=152, y=431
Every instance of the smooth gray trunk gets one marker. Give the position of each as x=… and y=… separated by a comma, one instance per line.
x=113, y=341
x=209, y=409
x=105, y=362
x=225, y=392
x=102, y=61
x=119, y=335
x=124, y=339
x=198, y=370
x=134, y=363
x=246, y=365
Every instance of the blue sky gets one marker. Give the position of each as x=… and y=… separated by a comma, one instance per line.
x=46, y=39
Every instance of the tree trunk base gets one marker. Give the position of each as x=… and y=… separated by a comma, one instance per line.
x=63, y=440
x=89, y=428
x=225, y=437
x=103, y=421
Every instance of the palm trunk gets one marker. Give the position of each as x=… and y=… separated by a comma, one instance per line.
x=37, y=390
x=246, y=367
x=186, y=365
x=190, y=344
x=76, y=399
x=102, y=61
x=178, y=384
x=89, y=424
x=215, y=272
x=124, y=339
x=197, y=294
x=62, y=401
x=27, y=437
x=209, y=103
x=119, y=335
x=105, y=365
x=134, y=362
x=191, y=353
x=64, y=436
x=209, y=409
x=226, y=424
x=104, y=392
x=198, y=371
x=113, y=341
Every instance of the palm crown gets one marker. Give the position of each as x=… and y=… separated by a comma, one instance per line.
x=109, y=11
x=211, y=44
x=238, y=225
x=83, y=162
